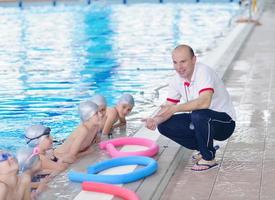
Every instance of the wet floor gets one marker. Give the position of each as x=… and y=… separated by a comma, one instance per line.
x=247, y=159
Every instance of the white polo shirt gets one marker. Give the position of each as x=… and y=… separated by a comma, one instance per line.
x=203, y=78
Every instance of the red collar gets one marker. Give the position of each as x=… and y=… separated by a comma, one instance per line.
x=186, y=84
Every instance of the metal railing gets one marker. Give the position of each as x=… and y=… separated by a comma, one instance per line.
x=55, y=2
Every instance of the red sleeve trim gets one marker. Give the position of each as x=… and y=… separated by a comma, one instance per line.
x=173, y=100
x=205, y=89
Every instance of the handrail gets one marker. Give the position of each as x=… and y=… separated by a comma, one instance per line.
x=54, y=2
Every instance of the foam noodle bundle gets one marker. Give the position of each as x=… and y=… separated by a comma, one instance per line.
x=110, y=189
x=150, y=166
x=110, y=145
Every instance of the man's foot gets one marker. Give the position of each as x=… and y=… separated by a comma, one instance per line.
x=203, y=165
x=197, y=156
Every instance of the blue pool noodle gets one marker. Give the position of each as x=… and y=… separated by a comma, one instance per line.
x=150, y=166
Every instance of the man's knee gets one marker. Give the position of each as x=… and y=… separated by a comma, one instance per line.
x=199, y=115
x=162, y=129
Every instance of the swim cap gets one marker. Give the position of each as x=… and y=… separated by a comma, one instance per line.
x=27, y=158
x=126, y=99
x=99, y=100
x=87, y=109
x=34, y=133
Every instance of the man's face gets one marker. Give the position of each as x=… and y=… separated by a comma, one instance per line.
x=183, y=63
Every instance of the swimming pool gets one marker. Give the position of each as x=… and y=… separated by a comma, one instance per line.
x=53, y=57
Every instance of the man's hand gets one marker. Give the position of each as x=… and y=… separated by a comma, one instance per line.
x=150, y=123
x=167, y=111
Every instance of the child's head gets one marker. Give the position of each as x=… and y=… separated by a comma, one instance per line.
x=100, y=101
x=8, y=164
x=125, y=105
x=27, y=158
x=87, y=110
x=38, y=135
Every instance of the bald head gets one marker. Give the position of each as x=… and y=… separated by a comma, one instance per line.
x=184, y=47
x=184, y=61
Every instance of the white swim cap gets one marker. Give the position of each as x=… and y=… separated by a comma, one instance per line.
x=87, y=109
x=26, y=158
x=99, y=100
x=126, y=99
x=34, y=133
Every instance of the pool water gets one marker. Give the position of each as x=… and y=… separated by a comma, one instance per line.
x=51, y=58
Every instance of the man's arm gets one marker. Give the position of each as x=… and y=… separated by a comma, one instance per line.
x=152, y=122
x=202, y=102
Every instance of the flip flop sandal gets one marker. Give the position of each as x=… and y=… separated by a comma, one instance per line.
x=206, y=166
x=197, y=156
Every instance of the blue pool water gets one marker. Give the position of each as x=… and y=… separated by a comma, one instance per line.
x=53, y=57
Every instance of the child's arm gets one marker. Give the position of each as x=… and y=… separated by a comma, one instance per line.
x=42, y=185
x=36, y=168
x=122, y=122
x=3, y=191
x=48, y=164
x=76, y=146
x=85, y=152
x=25, y=183
x=111, y=119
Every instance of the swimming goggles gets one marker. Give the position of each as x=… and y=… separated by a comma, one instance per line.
x=5, y=156
x=46, y=132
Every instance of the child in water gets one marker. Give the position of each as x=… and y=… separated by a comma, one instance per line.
x=77, y=144
x=80, y=140
x=39, y=138
x=115, y=116
x=100, y=101
x=12, y=185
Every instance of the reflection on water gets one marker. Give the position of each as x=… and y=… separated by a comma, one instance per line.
x=53, y=57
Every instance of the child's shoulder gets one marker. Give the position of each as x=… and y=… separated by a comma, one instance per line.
x=112, y=111
x=82, y=129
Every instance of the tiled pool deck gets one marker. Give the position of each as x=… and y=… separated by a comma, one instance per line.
x=247, y=159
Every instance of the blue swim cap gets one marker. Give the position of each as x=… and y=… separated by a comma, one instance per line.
x=99, y=100
x=126, y=99
x=27, y=158
x=87, y=109
x=34, y=133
